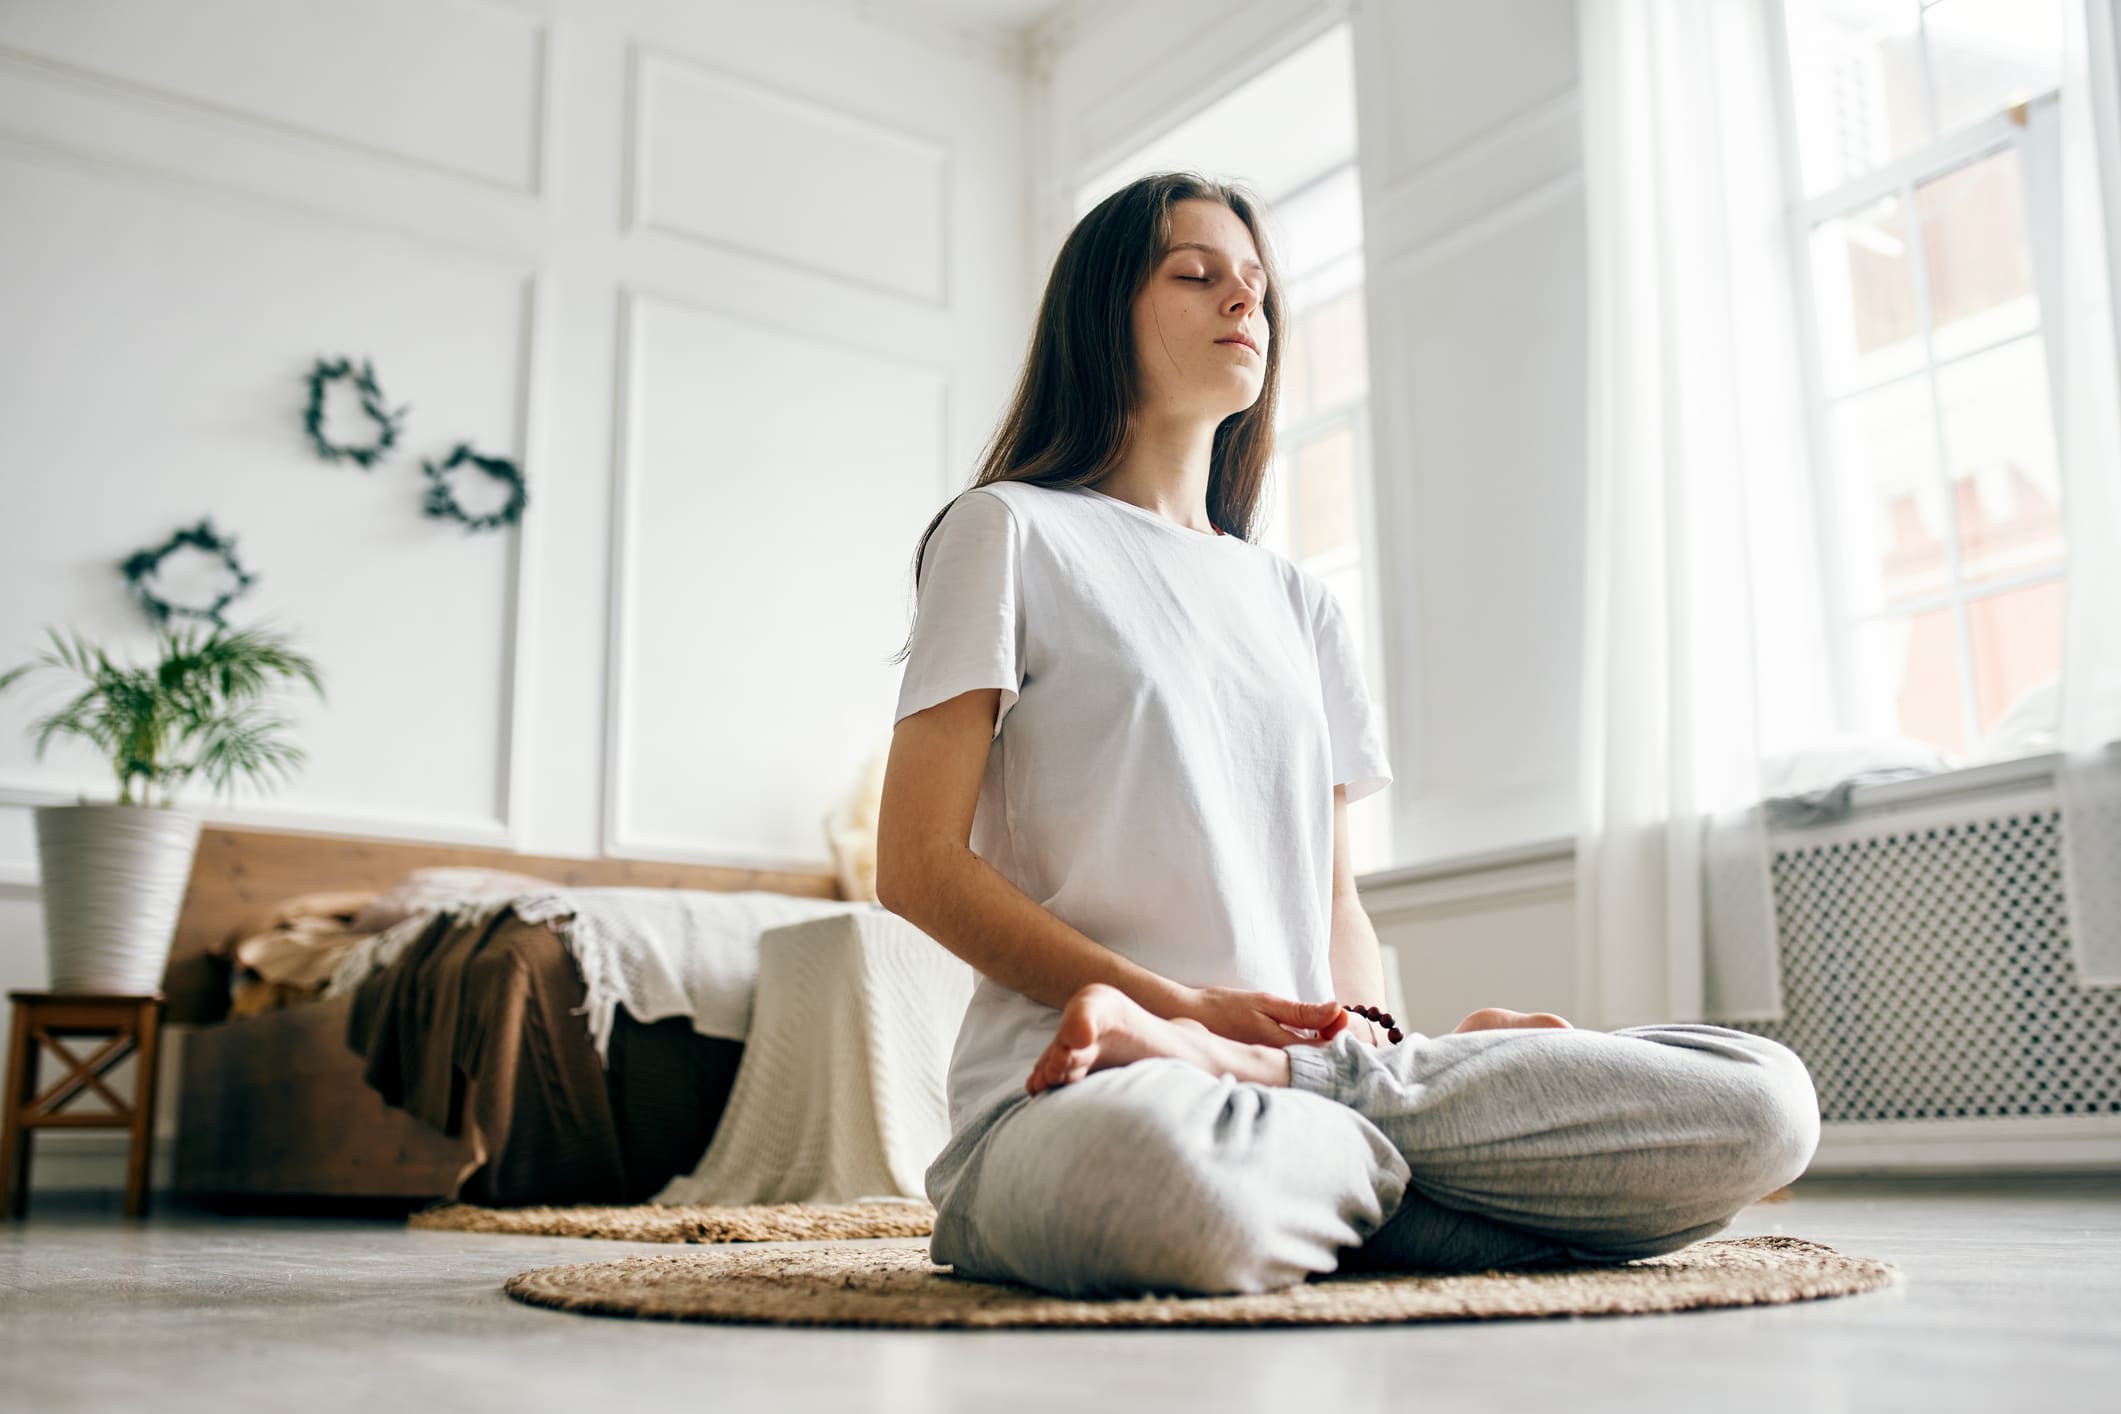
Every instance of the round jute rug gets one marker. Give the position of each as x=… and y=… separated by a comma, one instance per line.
x=764, y=1222
x=899, y=1286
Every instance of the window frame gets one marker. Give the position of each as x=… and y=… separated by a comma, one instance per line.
x=1901, y=178
x=1353, y=413
x=1347, y=412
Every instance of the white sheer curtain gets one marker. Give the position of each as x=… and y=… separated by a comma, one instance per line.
x=1705, y=651
x=2089, y=778
x=1700, y=567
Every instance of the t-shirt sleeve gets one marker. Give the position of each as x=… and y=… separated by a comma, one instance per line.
x=968, y=619
x=1352, y=719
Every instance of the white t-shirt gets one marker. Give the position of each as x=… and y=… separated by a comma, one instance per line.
x=1176, y=709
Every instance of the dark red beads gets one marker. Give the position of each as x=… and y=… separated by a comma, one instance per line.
x=1381, y=1017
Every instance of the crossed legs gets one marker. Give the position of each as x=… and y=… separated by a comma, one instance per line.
x=1202, y=1168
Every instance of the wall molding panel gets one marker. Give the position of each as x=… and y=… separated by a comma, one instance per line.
x=662, y=472
x=59, y=122
x=736, y=189
x=520, y=609
x=1472, y=198
x=1523, y=160
x=1483, y=480
x=246, y=481
x=322, y=817
x=477, y=87
x=1442, y=82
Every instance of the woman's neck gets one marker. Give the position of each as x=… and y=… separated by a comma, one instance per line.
x=1164, y=470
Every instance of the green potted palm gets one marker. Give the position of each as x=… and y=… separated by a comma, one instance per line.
x=114, y=873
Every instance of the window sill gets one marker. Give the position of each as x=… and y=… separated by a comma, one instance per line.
x=1966, y=783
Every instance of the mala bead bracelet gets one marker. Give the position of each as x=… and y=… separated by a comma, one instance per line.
x=1382, y=1018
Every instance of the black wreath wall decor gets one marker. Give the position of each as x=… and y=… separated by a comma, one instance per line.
x=442, y=502
x=388, y=423
x=143, y=565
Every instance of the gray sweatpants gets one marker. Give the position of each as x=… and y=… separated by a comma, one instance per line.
x=1487, y=1149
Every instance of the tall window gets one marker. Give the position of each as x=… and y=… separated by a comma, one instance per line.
x=1321, y=477
x=1920, y=193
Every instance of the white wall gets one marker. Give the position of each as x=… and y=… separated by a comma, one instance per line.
x=740, y=286
x=1473, y=197
x=1472, y=189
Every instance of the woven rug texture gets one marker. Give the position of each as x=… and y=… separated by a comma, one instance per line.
x=896, y=1285
x=763, y=1222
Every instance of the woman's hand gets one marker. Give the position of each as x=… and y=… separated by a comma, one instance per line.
x=1263, y=1019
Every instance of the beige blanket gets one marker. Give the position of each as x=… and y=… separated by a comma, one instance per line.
x=287, y=954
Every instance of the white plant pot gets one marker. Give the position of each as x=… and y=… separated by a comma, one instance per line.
x=113, y=880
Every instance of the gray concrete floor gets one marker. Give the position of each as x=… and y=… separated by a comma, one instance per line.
x=2011, y=1300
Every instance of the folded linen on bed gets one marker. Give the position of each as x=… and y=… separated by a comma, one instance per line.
x=657, y=952
x=671, y=952
x=862, y=1117
x=286, y=955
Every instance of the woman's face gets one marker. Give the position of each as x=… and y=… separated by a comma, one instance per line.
x=1207, y=290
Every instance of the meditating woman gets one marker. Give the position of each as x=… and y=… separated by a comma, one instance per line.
x=1125, y=743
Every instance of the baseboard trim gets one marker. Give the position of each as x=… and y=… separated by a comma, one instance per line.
x=2044, y=1145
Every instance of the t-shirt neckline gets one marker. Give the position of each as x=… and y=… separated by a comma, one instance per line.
x=1186, y=530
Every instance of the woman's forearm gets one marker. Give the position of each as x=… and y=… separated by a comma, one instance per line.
x=1352, y=954
x=964, y=903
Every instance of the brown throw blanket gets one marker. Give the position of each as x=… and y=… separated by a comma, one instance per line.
x=478, y=1025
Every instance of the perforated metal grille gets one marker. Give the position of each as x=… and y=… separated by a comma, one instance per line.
x=1926, y=974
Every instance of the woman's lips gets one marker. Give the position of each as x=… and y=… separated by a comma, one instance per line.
x=1239, y=344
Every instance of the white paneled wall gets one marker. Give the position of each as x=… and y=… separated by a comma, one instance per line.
x=1472, y=189
x=737, y=285
x=457, y=88
x=740, y=286
x=734, y=194
x=748, y=759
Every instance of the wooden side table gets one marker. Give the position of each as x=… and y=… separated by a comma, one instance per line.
x=45, y=1021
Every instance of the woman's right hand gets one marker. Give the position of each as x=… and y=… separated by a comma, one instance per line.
x=1263, y=1019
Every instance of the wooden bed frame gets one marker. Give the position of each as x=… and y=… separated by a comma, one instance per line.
x=274, y=1106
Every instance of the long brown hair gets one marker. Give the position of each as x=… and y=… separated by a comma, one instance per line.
x=1075, y=400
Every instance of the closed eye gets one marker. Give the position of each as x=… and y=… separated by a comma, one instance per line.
x=1204, y=280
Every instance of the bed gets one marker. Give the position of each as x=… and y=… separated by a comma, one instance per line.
x=279, y=1105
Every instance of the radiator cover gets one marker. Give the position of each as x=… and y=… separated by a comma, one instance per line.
x=1929, y=987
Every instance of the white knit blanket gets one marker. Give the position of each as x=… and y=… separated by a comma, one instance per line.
x=842, y=1094
x=657, y=952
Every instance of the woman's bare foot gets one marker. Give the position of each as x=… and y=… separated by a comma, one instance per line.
x=1496, y=1018
x=1102, y=1026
